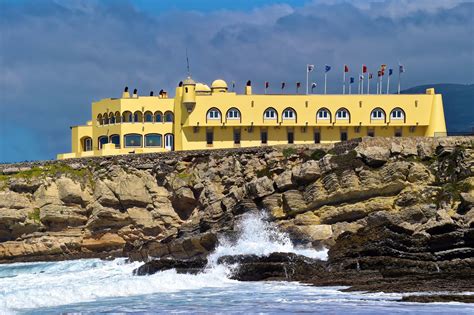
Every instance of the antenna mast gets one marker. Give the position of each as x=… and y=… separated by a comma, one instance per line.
x=187, y=62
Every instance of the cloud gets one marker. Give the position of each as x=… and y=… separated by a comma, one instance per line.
x=56, y=57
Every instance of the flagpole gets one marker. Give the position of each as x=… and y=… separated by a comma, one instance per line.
x=325, y=81
x=368, y=84
x=344, y=81
x=350, y=88
x=399, y=75
x=362, y=83
x=358, y=85
x=388, y=82
x=307, y=78
x=378, y=80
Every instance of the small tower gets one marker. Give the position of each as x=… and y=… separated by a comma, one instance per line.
x=189, y=94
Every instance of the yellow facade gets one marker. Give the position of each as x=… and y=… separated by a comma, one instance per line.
x=203, y=117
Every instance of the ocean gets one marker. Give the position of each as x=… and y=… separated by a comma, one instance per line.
x=97, y=286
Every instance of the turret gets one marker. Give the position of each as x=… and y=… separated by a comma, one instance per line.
x=189, y=94
x=248, y=88
x=219, y=86
x=135, y=93
x=125, y=93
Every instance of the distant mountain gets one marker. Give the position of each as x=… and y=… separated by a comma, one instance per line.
x=458, y=100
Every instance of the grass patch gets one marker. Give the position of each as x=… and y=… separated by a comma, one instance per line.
x=35, y=215
x=287, y=152
x=264, y=172
x=317, y=154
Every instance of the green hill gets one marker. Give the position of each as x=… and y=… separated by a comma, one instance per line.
x=458, y=100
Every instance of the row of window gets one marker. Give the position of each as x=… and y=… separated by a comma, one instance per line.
x=290, y=114
x=132, y=140
x=291, y=136
x=129, y=117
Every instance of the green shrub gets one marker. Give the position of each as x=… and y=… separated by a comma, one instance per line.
x=317, y=154
x=287, y=152
x=35, y=215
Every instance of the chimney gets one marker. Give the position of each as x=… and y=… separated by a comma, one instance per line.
x=125, y=93
x=135, y=93
x=248, y=88
x=151, y=93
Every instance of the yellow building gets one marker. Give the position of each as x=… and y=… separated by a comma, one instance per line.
x=203, y=117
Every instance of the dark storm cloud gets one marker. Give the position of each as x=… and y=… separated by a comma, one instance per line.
x=58, y=56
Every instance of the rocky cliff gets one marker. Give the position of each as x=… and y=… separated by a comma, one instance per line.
x=383, y=205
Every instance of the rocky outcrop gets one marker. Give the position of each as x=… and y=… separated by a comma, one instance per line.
x=394, y=201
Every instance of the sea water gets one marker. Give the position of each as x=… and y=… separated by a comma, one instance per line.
x=96, y=286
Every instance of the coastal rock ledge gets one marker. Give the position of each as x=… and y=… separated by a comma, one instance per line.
x=389, y=209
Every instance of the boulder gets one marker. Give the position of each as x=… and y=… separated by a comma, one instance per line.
x=70, y=192
x=130, y=190
x=104, y=195
x=103, y=217
x=308, y=172
x=190, y=266
x=293, y=202
x=260, y=187
x=374, y=156
x=103, y=242
x=22, y=185
x=283, y=181
x=47, y=194
x=13, y=200
x=184, y=202
x=62, y=216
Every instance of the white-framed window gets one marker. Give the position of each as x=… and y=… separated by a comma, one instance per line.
x=88, y=144
x=397, y=113
x=342, y=114
x=213, y=114
x=270, y=113
x=289, y=113
x=377, y=114
x=323, y=114
x=233, y=113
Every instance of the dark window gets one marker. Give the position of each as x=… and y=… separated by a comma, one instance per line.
x=343, y=135
x=158, y=118
x=87, y=144
x=135, y=118
x=112, y=120
x=148, y=118
x=398, y=133
x=291, y=137
x=371, y=133
x=237, y=136
x=168, y=117
x=209, y=137
x=102, y=140
x=264, y=137
x=115, y=139
x=153, y=140
x=133, y=141
x=317, y=137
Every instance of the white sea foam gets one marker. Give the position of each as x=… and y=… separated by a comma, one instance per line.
x=37, y=285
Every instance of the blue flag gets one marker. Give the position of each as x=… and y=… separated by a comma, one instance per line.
x=352, y=80
x=327, y=68
x=390, y=71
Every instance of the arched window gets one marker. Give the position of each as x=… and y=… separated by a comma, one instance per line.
x=397, y=113
x=158, y=117
x=153, y=140
x=342, y=113
x=233, y=113
x=99, y=119
x=377, y=114
x=127, y=117
x=111, y=118
x=323, y=114
x=289, y=114
x=103, y=140
x=106, y=118
x=270, y=113
x=169, y=117
x=87, y=144
x=148, y=117
x=118, y=117
x=115, y=139
x=213, y=114
x=137, y=116
x=133, y=140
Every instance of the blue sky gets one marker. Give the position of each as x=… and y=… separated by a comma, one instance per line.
x=57, y=56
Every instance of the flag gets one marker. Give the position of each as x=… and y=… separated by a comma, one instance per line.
x=346, y=68
x=266, y=85
x=401, y=68
x=364, y=68
x=298, y=85
x=233, y=84
x=351, y=80
x=361, y=77
x=283, y=85
x=390, y=72
x=382, y=67
x=371, y=75
x=327, y=68
x=310, y=68
x=379, y=73
x=313, y=85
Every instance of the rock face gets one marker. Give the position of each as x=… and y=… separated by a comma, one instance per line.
x=384, y=206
